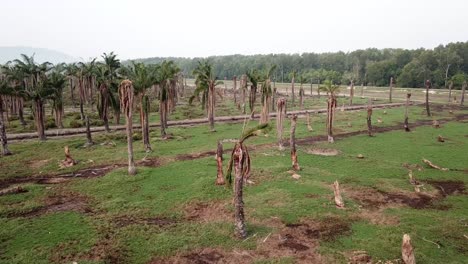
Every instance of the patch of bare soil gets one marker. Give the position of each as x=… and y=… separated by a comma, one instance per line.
x=207, y=212
x=127, y=220
x=36, y=164
x=446, y=188
x=97, y=171
x=59, y=203
x=150, y=162
x=358, y=257
x=323, y=152
x=183, y=157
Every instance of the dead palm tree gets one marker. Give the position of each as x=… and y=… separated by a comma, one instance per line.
x=292, y=142
x=126, y=105
x=406, y=125
x=302, y=80
x=165, y=75
x=331, y=91
x=240, y=161
x=255, y=77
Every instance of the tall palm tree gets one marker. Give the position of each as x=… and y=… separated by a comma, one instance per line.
x=71, y=71
x=106, y=98
x=37, y=88
x=255, y=77
x=331, y=90
x=206, y=81
x=113, y=64
x=166, y=74
x=126, y=104
x=4, y=90
x=142, y=77
x=240, y=161
x=267, y=93
x=57, y=83
x=15, y=81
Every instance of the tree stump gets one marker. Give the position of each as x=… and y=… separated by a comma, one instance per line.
x=338, y=199
x=219, y=162
x=407, y=251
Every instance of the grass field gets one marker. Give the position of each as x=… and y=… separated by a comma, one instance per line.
x=171, y=211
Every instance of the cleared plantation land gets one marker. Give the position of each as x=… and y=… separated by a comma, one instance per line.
x=172, y=211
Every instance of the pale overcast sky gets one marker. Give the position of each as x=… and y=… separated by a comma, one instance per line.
x=190, y=28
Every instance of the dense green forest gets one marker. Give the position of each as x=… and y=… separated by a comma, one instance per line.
x=410, y=68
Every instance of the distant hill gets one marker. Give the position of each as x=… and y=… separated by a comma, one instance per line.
x=40, y=54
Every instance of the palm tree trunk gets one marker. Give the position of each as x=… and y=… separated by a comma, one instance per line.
x=390, y=91
x=219, y=162
x=280, y=114
x=145, y=123
x=211, y=105
x=428, y=85
x=72, y=93
x=264, y=118
x=369, y=118
x=3, y=136
x=21, y=111
x=238, y=158
x=292, y=90
x=351, y=93
x=162, y=117
x=89, y=140
x=330, y=113
x=301, y=97
x=58, y=111
x=126, y=105
x=39, y=118
x=406, y=125
x=234, y=90
x=462, y=99
x=81, y=84
x=292, y=142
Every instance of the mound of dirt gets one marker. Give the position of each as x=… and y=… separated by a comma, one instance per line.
x=323, y=152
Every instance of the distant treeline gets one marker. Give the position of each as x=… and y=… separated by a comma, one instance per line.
x=409, y=68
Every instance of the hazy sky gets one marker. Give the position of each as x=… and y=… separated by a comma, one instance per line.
x=190, y=28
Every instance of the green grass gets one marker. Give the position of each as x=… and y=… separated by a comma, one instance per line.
x=167, y=191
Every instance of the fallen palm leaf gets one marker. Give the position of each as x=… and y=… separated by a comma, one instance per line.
x=432, y=165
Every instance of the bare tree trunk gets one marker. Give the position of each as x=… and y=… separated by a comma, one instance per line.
x=407, y=251
x=21, y=111
x=72, y=93
x=318, y=89
x=252, y=97
x=369, y=118
x=450, y=91
x=428, y=85
x=280, y=114
x=273, y=98
x=311, y=88
x=104, y=106
x=243, y=87
x=351, y=93
x=391, y=89
x=309, y=126
x=462, y=99
x=219, y=162
x=117, y=117
x=81, y=84
x=39, y=118
x=126, y=105
x=301, y=97
x=238, y=159
x=89, y=139
x=145, y=105
x=406, y=125
x=292, y=143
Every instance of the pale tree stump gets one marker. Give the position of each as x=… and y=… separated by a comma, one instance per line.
x=407, y=251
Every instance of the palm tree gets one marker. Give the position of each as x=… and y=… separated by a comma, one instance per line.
x=71, y=71
x=206, y=81
x=267, y=92
x=166, y=75
x=240, y=160
x=112, y=64
x=255, y=78
x=292, y=142
x=280, y=115
x=15, y=81
x=428, y=86
x=4, y=90
x=143, y=77
x=57, y=83
x=37, y=88
x=392, y=83
x=406, y=125
x=331, y=91
x=126, y=104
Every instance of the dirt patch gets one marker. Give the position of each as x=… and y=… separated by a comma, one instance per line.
x=127, y=220
x=36, y=164
x=59, y=203
x=97, y=171
x=328, y=229
x=323, y=152
x=371, y=198
x=446, y=188
x=358, y=257
x=151, y=162
x=184, y=157
x=207, y=212
x=378, y=217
